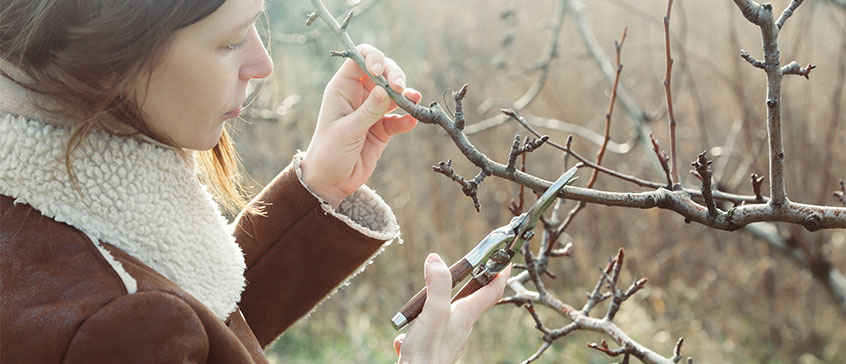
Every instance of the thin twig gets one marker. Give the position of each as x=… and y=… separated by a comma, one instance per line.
x=757, y=181
x=812, y=217
x=674, y=171
x=580, y=318
x=793, y=68
x=470, y=188
x=677, y=350
x=745, y=55
x=663, y=159
x=762, y=16
x=788, y=12
x=637, y=116
x=702, y=168
x=459, y=108
x=542, y=66
x=841, y=195
x=618, y=45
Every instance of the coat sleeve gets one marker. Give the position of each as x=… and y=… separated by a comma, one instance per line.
x=302, y=249
x=144, y=327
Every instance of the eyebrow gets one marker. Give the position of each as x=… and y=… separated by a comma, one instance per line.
x=253, y=20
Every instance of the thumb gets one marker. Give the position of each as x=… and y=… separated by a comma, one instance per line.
x=398, y=342
x=372, y=109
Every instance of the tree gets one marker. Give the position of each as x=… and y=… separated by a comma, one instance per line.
x=706, y=205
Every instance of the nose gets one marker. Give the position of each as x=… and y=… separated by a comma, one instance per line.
x=257, y=63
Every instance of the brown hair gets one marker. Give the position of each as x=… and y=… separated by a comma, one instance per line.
x=83, y=55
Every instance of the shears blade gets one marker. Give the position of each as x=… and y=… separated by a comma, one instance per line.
x=542, y=204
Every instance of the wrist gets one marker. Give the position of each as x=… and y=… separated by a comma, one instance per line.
x=311, y=180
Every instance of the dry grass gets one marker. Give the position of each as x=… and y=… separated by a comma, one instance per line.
x=731, y=297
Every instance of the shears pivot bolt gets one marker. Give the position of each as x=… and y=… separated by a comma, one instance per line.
x=500, y=257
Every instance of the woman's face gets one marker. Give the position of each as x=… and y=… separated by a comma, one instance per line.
x=201, y=81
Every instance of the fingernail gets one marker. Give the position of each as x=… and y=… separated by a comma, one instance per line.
x=433, y=258
x=380, y=95
x=377, y=69
x=400, y=82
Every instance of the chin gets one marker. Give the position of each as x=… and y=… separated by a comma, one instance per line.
x=205, y=143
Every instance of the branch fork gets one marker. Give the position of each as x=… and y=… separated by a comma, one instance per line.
x=470, y=188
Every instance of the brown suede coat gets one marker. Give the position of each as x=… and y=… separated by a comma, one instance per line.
x=61, y=301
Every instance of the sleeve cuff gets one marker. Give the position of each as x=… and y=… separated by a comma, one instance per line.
x=363, y=211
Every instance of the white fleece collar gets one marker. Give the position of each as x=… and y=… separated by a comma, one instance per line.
x=144, y=199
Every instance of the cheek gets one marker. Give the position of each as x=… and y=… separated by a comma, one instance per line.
x=185, y=102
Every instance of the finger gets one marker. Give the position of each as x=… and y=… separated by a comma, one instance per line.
x=371, y=110
x=394, y=75
x=423, y=340
x=413, y=95
x=455, y=342
x=466, y=311
x=398, y=342
x=374, y=59
x=469, y=308
x=436, y=309
x=391, y=125
x=410, y=94
x=399, y=124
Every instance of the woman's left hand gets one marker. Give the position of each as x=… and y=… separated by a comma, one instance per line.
x=353, y=128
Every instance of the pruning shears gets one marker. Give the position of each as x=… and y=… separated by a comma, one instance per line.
x=492, y=254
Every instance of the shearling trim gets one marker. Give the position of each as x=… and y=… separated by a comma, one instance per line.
x=128, y=281
x=143, y=199
x=365, y=212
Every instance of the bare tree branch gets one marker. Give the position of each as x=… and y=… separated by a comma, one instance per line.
x=542, y=66
x=840, y=3
x=580, y=319
x=832, y=279
x=752, y=10
x=674, y=170
x=517, y=150
x=703, y=170
x=305, y=37
x=841, y=195
x=637, y=116
x=757, y=181
x=778, y=208
x=640, y=182
x=663, y=159
x=470, y=188
x=745, y=55
x=793, y=68
x=788, y=12
x=578, y=130
x=762, y=15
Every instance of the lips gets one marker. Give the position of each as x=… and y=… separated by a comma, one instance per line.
x=232, y=114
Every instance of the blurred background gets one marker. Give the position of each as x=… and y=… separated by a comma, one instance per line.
x=733, y=296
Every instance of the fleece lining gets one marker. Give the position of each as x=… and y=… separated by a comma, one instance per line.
x=147, y=201
x=143, y=199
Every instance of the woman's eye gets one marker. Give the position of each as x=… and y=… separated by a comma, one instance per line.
x=237, y=45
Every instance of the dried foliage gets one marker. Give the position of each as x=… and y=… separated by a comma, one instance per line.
x=710, y=201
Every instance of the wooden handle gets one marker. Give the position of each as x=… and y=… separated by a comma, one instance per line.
x=410, y=310
x=472, y=286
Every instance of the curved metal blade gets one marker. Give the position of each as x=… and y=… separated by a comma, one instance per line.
x=546, y=200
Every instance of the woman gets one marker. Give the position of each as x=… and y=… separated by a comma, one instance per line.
x=112, y=250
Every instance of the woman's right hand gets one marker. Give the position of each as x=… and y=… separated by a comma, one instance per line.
x=438, y=335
